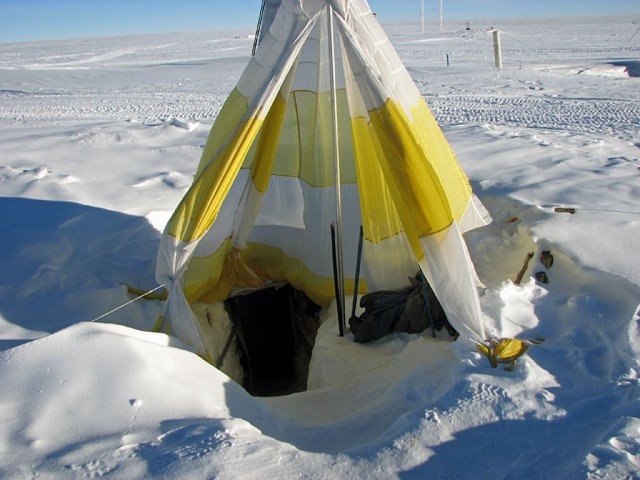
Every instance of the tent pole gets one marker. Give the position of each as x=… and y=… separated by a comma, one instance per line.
x=256, y=40
x=354, y=304
x=334, y=257
x=336, y=156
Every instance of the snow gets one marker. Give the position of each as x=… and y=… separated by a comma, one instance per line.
x=99, y=140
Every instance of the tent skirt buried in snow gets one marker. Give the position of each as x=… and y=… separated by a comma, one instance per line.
x=324, y=126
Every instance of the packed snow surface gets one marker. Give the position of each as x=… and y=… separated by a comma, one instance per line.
x=100, y=138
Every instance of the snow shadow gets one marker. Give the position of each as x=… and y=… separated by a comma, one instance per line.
x=488, y=443
x=69, y=260
x=632, y=66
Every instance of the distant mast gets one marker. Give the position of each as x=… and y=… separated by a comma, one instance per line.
x=497, y=48
x=422, y=16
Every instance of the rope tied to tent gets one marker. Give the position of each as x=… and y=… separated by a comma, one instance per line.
x=143, y=295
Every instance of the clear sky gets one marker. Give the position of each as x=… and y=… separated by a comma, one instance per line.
x=26, y=20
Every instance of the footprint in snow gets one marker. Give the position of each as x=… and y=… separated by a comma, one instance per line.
x=188, y=442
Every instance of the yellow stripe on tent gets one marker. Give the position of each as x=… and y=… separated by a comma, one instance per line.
x=281, y=267
x=204, y=273
x=379, y=216
x=442, y=158
x=267, y=145
x=421, y=196
x=229, y=117
x=200, y=206
x=208, y=279
x=306, y=150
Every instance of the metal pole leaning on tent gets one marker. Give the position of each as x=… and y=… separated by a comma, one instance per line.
x=258, y=29
x=336, y=156
x=339, y=309
x=357, y=279
x=227, y=345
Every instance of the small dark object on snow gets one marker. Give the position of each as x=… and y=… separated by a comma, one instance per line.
x=570, y=210
x=411, y=309
x=542, y=277
x=546, y=258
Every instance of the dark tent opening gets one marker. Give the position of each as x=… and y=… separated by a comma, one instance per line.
x=276, y=329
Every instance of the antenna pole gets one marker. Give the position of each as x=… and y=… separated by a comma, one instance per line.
x=422, y=16
x=441, y=15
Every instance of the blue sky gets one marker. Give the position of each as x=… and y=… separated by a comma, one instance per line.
x=26, y=20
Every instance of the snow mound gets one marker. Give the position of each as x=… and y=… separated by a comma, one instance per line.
x=69, y=367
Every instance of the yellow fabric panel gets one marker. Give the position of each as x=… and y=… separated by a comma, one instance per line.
x=313, y=114
x=233, y=270
x=230, y=115
x=198, y=209
x=280, y=268
x=288, y=152
x=420, y=197
x=380, y=219
x=345, y=139
x=443, y=159
x=306, y=149
x=206, y=281
x=204, y=273
x=267, y=145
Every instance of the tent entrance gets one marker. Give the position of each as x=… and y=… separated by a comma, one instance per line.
x=276, y=331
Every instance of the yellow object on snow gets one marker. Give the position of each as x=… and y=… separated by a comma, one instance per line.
x=504, y=350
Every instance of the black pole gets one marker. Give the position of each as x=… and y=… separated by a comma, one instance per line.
x=335, y=280
x=232, y=333
x=358, y=260
x=256, y=40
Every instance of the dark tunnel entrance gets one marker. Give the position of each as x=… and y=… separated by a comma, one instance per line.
x=276, y=333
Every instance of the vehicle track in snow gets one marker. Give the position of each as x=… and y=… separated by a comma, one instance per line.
x=597, y=116
x=23, y=107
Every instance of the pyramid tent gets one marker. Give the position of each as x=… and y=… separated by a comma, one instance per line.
x=324, y=101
